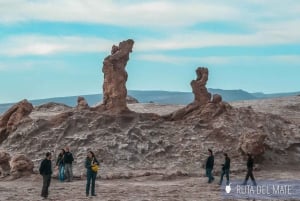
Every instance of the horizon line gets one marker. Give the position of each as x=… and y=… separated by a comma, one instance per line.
x=151, y=90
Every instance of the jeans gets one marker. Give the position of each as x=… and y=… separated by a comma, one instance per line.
x=46, y=184
x=61, y=172
x=224, y=172
x=209, y=175
x=69, y=172
x=90, y=175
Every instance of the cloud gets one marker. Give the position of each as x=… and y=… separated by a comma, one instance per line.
x=21, y=45
x=30, y=64
x=182, y=59
x=219, y=60
x=172, y=22
x=129, y=13
x=195, y=39
x=149, y=13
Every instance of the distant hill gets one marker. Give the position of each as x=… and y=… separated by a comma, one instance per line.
x=260, y=95
x=162, y=97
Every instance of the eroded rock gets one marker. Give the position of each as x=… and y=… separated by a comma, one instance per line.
x=202, y=107
x=13, y=117
x=216, y=98
x=115, y=77
x=82, y=103
x=131, y=100
x=21, y=166
x=201, y=95
x=252, y=143
x=4, y=163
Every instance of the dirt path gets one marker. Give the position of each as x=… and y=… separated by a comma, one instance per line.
x=136, y=189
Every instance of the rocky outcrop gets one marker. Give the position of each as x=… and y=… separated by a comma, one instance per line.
x=131, y=100
x=115, y=77
x=201, y=95
x=21, y=166
x=82, y=103
x=202, y=107
x=133, y=143
x=4, y=163
x=16, y=166
x=216, y=99
x=12, y=118
x=52, y=107
x=252, y=143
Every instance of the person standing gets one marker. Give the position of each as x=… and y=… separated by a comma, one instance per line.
x=210, y=166
x=61, y=165
x=225, y=169
x=250, y=164
x=90, y=174
x=46, y=171
x=68, y=160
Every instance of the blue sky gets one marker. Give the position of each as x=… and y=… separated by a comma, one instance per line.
x=52, y=48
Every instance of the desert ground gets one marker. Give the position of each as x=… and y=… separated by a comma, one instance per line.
x=136, y=189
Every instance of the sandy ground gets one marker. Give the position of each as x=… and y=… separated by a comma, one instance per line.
x=135, y=189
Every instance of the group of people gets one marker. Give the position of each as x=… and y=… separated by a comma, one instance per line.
x=226, y=168
x=65, y=159
x=64, y=166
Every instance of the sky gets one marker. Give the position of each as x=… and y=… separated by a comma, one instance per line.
x=55, y=48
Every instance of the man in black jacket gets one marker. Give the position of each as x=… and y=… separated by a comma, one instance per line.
x=249, y=170
x=46, y=171
x=209, y=166
x=225, y=169
x=68, y=160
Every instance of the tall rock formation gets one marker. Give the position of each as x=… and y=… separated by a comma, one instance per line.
x=202, y=96
x=115, y=77
x=204, y=106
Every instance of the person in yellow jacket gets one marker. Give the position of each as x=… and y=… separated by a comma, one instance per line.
x=91, y=172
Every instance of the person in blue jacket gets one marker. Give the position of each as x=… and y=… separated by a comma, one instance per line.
x=61, y=165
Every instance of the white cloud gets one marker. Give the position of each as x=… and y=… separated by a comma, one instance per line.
x=135, y=13
x=207, y=39
x=161, y=13
x=20, y=45
x=218, y=60
x=264, y=23
x=183, y=59
x=27, y=65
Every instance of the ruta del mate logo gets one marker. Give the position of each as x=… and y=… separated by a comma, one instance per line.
x=264, y=189
x=277, y=189
x=228, y=188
